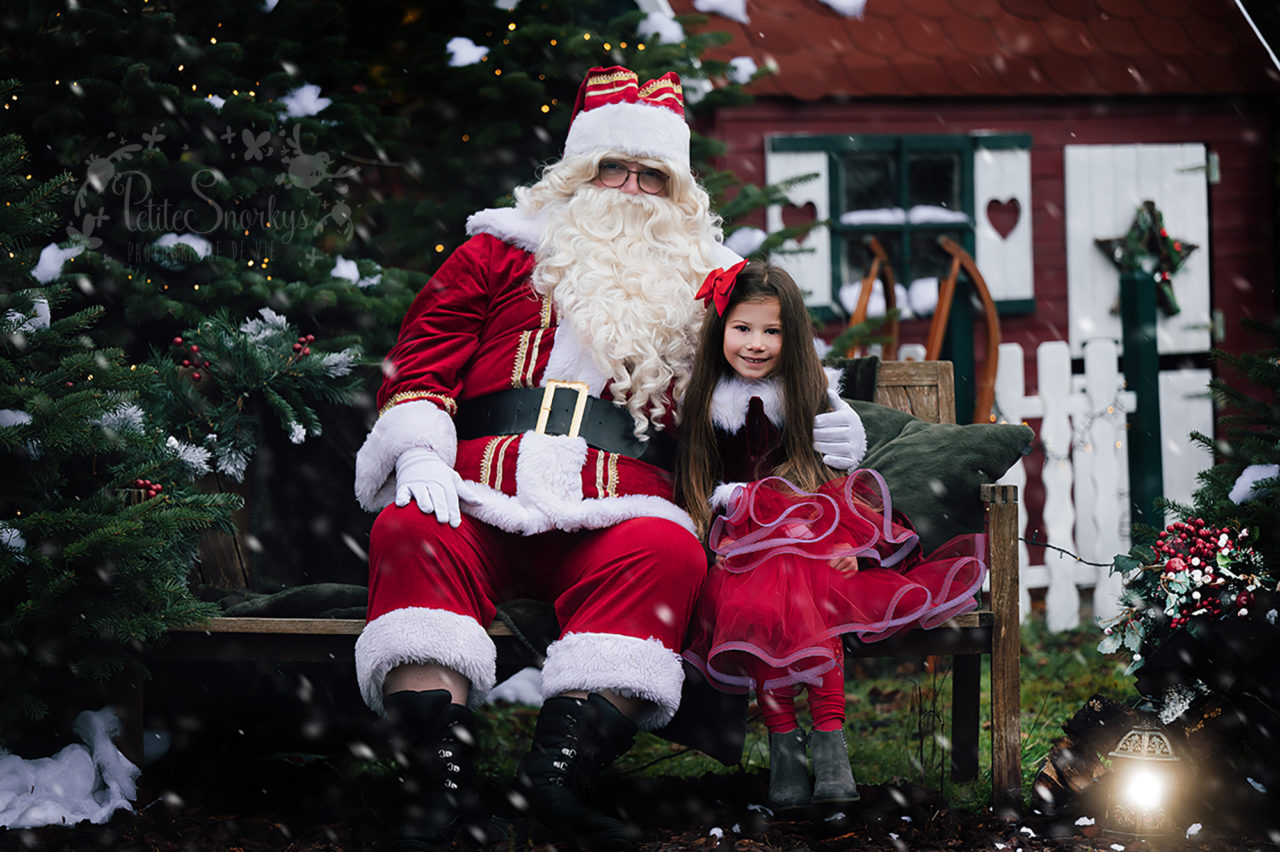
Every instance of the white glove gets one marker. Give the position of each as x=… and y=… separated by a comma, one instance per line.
x=423, y=476
x=838, y=435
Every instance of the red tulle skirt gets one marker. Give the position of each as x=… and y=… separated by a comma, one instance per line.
x=774, y=598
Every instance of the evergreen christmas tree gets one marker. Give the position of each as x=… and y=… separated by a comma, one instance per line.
x=316, y=159
x=99, y=520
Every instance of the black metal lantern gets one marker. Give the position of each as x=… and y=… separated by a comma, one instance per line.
x=1145, y=782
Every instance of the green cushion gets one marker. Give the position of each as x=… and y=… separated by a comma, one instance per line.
x=934, y=470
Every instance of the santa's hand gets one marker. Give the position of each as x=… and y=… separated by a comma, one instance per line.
x=423, y=476
x=838, y=435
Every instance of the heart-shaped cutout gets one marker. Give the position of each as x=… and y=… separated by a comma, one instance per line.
x=793, y=216
x=1003, y=215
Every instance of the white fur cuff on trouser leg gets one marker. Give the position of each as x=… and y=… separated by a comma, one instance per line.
x=420, y=635
x=639, y=668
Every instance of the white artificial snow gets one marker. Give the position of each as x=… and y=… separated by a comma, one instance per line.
x=127, y=419
x=52, y=259
x=195, y=458
x=717, y=833
x=343, y=268
x=848, y=8
x=877, y=216
x=269, y=5
x=733, y=9
x=218, y=102
x=258, y=329
x=1028, y=832
x=523, y=687
x=922, y=294
x=742, y=69
x=338, y=363
x=1194, y=828
x=297, y=433
x=13, y=417
x=198, y=244
x=232, y=461
x=1085, y=821
x=744, y=241
x=304, y=100
x=1257, y=785
x=12, y=539
x=662, y=27
x=1117, y=847
x=81, y=782
x=40, y=320
x=1243, y=489
x=464, y=51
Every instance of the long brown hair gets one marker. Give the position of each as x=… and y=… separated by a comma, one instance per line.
x=801, y=382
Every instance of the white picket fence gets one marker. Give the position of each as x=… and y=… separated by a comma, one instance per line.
x=1085, y=475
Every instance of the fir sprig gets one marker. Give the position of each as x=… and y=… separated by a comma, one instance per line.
x=219, y=379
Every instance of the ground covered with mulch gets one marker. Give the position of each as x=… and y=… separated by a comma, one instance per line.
x=296, y=804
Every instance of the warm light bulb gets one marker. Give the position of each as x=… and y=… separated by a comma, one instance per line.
x=1145, y=789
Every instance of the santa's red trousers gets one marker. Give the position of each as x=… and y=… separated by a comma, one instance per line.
x=639, y=578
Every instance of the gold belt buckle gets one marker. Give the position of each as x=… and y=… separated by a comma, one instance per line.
x=548, y=396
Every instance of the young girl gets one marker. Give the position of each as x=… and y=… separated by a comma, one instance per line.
x=804, y=555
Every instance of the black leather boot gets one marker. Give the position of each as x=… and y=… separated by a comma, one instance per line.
x=433, y=739
x=574, y=739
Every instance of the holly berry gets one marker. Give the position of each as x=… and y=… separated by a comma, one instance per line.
x=177, y=341
x=194, y=348
x=195, y=377
x=297, y=347
x=205, y=364
x=186, y=363
x=306, y=350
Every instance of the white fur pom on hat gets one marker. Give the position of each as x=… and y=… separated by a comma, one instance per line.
x=615, y=112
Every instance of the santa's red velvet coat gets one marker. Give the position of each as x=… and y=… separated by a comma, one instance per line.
x=477, y=328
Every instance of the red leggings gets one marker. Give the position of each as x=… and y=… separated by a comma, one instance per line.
x=826, y=699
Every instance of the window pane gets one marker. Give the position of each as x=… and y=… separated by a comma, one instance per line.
x=928, y=259
x=870, y=182
x=858, y=256
x=934, y=180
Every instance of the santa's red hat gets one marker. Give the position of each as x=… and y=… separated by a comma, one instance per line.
x=615, y=112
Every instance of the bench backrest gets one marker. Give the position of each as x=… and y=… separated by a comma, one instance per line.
x=924, y=389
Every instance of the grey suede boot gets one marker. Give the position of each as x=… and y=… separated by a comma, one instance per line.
x=788, y=771
x=832, y=776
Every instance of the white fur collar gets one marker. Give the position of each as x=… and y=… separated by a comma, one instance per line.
x=509, y=225
x=733, y=393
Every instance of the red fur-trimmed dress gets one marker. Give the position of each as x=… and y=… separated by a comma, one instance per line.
x=771, y=612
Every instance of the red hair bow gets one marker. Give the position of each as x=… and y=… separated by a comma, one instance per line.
x=718, y=286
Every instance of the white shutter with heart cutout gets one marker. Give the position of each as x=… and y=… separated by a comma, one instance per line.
x=809, y=262
x=1002, y=217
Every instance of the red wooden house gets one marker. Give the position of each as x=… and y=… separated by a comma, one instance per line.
x=1024, y=130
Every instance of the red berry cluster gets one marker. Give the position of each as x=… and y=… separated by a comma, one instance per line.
x=193, y=361
x=302, y=347
x=1179, y=545
x=153, y=489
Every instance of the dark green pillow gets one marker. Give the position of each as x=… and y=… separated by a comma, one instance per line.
x=934, y=470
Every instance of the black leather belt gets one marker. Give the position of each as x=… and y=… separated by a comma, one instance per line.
x=563, y=408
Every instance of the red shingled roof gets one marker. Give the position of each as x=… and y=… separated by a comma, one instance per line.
x=949, y=48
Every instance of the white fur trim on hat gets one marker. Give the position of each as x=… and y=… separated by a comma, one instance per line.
x=637, y=668
x=637, y=130
x=421, y=635
x=418, y=423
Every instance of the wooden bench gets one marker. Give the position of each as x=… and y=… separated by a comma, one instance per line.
x=924, y=389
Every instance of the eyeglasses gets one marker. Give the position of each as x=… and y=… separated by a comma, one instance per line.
x=614, y=175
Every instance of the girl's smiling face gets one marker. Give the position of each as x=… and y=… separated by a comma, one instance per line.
x=753, y=338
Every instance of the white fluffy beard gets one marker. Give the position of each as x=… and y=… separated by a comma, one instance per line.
x=622, y=271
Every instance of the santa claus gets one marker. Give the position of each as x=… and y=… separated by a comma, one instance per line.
x=524, y=450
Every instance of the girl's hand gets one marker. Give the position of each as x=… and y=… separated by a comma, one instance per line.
x=845, y=564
